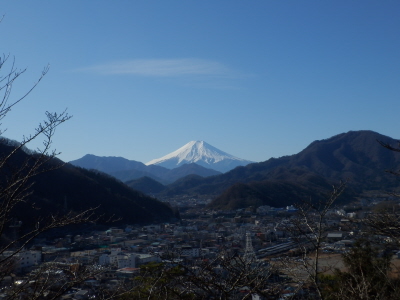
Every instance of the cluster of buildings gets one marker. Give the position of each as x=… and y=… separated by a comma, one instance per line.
x=200, y=235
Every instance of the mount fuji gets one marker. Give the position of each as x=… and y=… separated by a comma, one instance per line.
x=201, y=153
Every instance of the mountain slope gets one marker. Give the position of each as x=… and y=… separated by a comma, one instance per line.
x=69, y=188
x=146, y=185
x=299, y=185
x=189, y=169
x=201, y=153
x=355, y=156
x=128, y=175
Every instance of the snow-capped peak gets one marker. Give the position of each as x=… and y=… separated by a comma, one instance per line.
x=201, y=153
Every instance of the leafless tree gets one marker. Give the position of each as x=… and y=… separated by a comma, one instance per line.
x=308, y=230
x=226, y=276
x=17, y=185
x=386, y=221
x=370, y=272
x=368, y=275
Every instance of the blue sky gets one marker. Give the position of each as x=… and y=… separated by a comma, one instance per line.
x=257, y=79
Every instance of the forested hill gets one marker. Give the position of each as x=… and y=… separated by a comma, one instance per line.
x=69, y=188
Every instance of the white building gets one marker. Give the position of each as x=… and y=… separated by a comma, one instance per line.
x=127, y=261
x=24, y=258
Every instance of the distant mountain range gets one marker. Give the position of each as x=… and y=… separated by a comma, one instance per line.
x=201, y=153
x=127, y=170
x=196, y=157
x=355, y=157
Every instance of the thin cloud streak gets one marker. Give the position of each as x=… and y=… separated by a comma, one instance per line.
x=163, y=68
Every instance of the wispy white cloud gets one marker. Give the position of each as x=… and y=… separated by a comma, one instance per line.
x=163, y=68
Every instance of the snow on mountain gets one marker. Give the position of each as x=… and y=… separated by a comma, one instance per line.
x=201, y=153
